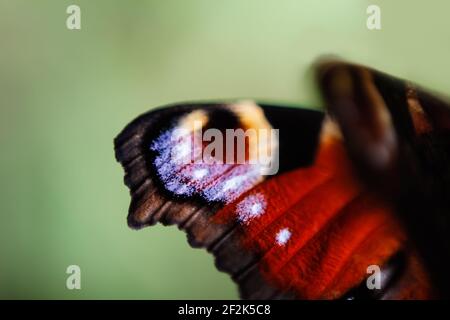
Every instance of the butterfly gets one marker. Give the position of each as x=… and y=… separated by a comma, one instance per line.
x=361, y=186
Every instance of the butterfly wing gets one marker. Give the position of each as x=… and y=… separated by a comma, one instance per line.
x=397, y=135
x=153, y=188
x=311, y=230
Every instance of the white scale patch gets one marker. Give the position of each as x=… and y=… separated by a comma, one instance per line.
x=199, y=173
x=251, y=207
x=175, y=167
x=283, y=236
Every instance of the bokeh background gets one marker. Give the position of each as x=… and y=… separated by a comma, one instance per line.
x=64, y=95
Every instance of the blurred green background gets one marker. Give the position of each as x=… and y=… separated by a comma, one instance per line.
x=66, y=94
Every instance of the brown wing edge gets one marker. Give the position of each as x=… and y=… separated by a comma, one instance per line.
x=150, y=205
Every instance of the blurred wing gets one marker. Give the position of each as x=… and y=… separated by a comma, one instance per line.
x=398, y=137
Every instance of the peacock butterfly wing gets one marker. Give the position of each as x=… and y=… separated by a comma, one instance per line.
x=153, y=202
x=310, y=231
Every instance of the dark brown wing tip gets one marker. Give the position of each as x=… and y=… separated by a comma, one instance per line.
x=130, y=145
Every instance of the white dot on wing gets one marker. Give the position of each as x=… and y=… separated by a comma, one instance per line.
x=283, y=236
x=251, y=207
